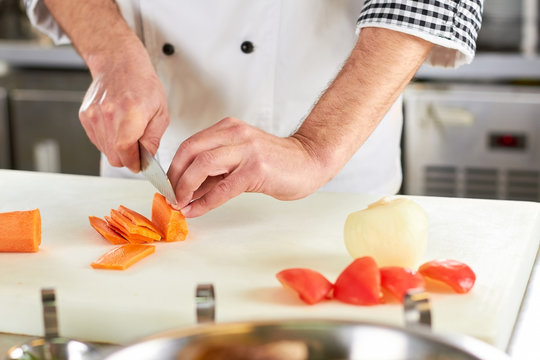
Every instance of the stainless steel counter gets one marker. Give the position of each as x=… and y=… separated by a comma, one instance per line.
x=34, y=54
x=488, y=67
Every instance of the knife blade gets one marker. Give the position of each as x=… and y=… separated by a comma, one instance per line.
x=153, y=172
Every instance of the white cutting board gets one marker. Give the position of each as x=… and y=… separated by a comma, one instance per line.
x=239, y=247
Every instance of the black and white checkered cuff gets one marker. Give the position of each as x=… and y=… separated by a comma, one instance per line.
x=451, y=24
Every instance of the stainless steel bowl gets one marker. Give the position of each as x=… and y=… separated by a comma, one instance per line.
x=55, y=348
x=306, y=339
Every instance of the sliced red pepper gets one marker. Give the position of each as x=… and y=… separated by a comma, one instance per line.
x=310, y=285
x=398, y=280
x=457, y=275
x=359, y=283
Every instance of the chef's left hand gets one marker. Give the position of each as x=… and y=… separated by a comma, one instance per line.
x=232, y=157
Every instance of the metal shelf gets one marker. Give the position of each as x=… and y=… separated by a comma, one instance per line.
x=487, y=67
x=33, y=54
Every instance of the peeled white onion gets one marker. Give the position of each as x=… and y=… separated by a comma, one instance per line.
x=392, y=231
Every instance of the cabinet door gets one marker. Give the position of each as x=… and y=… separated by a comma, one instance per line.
x=5, y=162
x=47, y=134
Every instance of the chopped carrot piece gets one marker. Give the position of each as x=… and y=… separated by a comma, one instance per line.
x=122, y=257
x=132, y=228
x=137, y=218
x=20, y=231
x=116, y=226
x=131, y=238
x=106, y=231
x=139, y=239
x=169, y=222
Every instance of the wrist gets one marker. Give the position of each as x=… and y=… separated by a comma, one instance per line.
x=121, y=50
x=98, y=32
x=321, y=158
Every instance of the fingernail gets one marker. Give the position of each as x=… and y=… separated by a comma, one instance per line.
x=185, y=210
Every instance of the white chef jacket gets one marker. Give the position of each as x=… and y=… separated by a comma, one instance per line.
x=200, y=50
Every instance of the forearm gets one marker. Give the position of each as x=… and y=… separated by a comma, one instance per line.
x=97, y=30
x=378, y=69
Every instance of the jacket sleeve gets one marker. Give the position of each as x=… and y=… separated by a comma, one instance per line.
x=452, y=25
x=41, y=19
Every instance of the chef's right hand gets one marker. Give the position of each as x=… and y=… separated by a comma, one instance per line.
x=124, y=104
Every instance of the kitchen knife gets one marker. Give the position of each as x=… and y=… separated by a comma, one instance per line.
x=154, y=173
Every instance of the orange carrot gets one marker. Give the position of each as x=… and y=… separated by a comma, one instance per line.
x=137, y=218
x=132, y=228
x=131, y=238
x=20, y=231
x=169, y=222
x=106, y=231
x=122, y=257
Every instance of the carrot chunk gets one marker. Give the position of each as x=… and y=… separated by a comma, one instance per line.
x=169, y=222
x=108, y=232
x=122, y=257
x=132, y=228
x=137, y=219
x=20, y=231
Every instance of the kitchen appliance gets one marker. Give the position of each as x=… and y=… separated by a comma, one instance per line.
x=476, y=141
x=5, y=161
x=46, y=134
x=14, y=24
x=509, y=27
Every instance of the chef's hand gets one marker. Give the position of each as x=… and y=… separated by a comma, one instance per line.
x=232, y=157
x=125, y=103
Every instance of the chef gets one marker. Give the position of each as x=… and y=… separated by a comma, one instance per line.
x=272, y=96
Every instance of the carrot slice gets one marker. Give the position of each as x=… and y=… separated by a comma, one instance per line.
x=131, y=238
x=139, y=239
x=169, y=222
x=122, y=257
x=20, y=231
x=116, y=226
x=106, y=231
x=132, y=228
x=137, y=219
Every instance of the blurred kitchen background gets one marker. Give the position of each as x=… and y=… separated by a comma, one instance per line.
x=469, y=132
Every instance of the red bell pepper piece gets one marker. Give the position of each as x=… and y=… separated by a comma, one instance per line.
x=456, y=274
x=398, y=280
x=311, y=286
x=359, y=283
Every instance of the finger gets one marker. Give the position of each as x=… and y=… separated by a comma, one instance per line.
x=104, y=130
x=207, y=185
x=90, y=114
x=154, y=130
x=95, y=126
x=129, y=129
x=215, y=162
x=88, y=118
x=226, y=189
x=219, y=134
